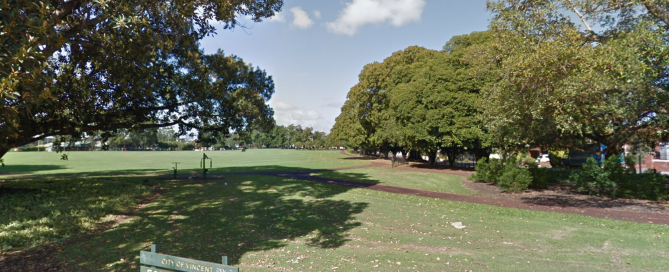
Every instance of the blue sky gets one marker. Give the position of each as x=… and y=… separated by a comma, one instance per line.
x=315, y=49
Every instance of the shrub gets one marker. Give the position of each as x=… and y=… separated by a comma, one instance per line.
x=527, y=161
x=539, y=177
x=594, y=179
x=556, y=157
x=481, y=174
x=647, y=186
x=188, y=146
x=488, y=170
x=29, y=147
x=612, y=179
x=514, y=179
x=558, y=175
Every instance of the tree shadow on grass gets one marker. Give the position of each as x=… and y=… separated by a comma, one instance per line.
x=442, y=167
x=32, y=170
x=207, y=219
x=360, y=158
x=28, y=168
x=336, y=175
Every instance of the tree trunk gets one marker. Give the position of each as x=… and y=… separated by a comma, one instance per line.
x=481, y=153
x=451, y=160
x=3, y=151
x=432, y=157
x=414, y=155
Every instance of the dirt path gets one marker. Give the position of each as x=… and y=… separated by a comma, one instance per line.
x=514, y=201
x=45, y=259
x=619, y=209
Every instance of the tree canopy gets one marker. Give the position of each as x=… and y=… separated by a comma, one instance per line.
x=418, y=99
x=575, y=70
x=68, y=67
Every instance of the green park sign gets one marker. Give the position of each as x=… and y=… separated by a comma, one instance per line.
x=151, y=260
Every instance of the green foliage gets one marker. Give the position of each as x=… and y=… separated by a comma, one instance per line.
x=514, y=171
x=539, y=177
x=188, y=146
x=558, y=175
x=488, y=170
x=29, y=147
x=515, y=179
x=577, y=70
x=527, y=161
x=418, y=99
x=482, y=171
x=556, y=157
x=71, y=67
x=612, y=179
x=594, y=179
x=646, y=186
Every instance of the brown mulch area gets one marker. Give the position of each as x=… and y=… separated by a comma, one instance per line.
x=557, y=198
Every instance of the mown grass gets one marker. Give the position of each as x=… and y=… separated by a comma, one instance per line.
x=40, y=211
x=267, y=223
x=161, y=162
x=270, y=223
x=402, y=178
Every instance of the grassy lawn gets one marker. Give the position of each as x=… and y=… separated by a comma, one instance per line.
x=151, y=162
x=270, y=223
x=46, y=210
x=265, y=223
x=402, y=178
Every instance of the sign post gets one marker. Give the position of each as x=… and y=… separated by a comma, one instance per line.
x=150, y=260
x=175, y=169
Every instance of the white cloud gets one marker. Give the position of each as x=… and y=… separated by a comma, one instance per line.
x=301, y=18
x=278, y=17
x=334, y=104
x=317, y=14
x=286, y=114
x=363, y=12
x=282, y=106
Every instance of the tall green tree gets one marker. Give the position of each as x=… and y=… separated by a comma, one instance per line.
x=418, y=99
x=576, y=70
x=439, y=108
x=68, y=67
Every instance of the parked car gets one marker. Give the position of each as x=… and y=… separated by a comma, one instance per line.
x=543, y=158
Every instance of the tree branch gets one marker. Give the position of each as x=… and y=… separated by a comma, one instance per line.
x=657, y=11
x=580, y=15
x=66, y=9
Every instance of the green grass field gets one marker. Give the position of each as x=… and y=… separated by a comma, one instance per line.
x=265, y=223
x=151, y=162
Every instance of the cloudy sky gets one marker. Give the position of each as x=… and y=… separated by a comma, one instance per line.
x=315, y=50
